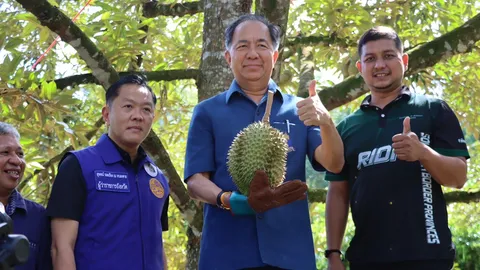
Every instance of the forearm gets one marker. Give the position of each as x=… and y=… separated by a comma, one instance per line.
x=336, y=215
x=203, y=189
x=447, y=171
x=63, y=259
x=330, y=152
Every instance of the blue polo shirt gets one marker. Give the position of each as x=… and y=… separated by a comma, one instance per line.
x=280, y=237
x=30, y=219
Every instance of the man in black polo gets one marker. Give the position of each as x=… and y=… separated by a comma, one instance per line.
x=400, y=148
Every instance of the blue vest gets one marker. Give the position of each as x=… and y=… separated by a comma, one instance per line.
x=120, y=227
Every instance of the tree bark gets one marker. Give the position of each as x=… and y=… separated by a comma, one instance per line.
x=215, y=74
x=161, y=75
x=153, y=9
x=331, y=40
x=276, y=11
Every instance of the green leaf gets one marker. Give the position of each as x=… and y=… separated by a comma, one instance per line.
x=13, y=43
x=106, y=15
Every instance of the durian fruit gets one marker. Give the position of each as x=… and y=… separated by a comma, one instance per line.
x=259, y=146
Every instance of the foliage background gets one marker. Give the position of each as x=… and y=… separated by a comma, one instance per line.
x=52, y=119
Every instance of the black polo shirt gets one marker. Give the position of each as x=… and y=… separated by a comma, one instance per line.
x=399, y=211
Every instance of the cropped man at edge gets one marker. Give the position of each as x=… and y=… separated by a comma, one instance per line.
x=29, y=218
x=109, y=202
x=400, y=148
x=269, y=229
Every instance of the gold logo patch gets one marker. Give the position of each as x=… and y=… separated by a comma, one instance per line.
x=156, y=188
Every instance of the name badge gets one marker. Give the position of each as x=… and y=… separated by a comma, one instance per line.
x=111, y=181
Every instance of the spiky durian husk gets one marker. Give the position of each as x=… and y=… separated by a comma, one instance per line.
x=259, y=146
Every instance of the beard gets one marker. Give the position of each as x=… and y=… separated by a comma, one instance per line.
x=387, y=88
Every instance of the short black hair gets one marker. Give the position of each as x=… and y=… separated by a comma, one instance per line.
x=377, y=33
x=274, y=30
x=112, y=91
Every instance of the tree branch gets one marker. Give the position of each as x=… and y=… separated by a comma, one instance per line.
x=153, y=9
x=323, y=40
x=59, y=23
x=320, y=196
x=189, y=210
x=162, y=75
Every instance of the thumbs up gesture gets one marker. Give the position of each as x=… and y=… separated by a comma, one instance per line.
x=312, y=111
x=406, y=145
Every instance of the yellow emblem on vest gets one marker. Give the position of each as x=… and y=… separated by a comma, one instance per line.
x=156, y=188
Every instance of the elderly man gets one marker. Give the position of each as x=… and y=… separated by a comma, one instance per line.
x=29, y=218
x=261, y=234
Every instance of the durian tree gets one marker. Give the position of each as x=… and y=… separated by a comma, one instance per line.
x=179, y=47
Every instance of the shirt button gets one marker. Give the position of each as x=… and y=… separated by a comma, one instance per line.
x=258, y=113
x=382, y=115
x=259, y=216
x=376, y=109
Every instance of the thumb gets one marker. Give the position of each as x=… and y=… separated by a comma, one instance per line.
x=406, y=125
x=311, y=89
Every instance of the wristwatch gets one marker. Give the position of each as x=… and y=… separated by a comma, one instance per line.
x=220, y=203
x=330, y=251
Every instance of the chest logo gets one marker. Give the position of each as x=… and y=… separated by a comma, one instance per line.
x=150, y=169
x=157, y=188
x=111, y=181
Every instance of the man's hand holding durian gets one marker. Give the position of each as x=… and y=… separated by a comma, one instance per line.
x=262, y=197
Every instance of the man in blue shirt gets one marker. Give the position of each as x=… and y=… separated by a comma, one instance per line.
x=29, y=218
x=249, y=232
x=109, y=201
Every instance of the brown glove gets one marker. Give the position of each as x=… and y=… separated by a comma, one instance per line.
x=262, y=197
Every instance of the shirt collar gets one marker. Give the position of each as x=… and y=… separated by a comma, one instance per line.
x=404, y=93
x=141, y=154
x=112, y=153
x=15, y=200
x=235, y=88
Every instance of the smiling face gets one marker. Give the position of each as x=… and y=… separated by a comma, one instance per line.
x=252, y=54
x=12, y=163
x=129, y=116
x=382, y=65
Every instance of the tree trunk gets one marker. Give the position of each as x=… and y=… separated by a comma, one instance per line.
x=193, y=250
x=215, y=75
x=276, y=11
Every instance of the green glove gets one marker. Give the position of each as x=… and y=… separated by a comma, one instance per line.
x=239, y=204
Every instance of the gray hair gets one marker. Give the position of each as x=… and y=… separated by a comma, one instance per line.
x=7, y=129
